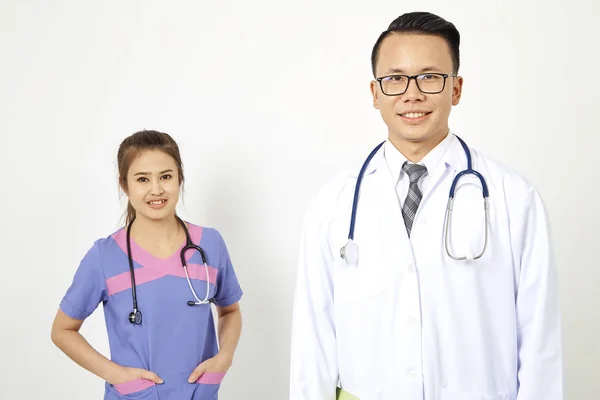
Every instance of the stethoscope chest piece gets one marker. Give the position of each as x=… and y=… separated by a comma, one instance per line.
x=350, y=252
x=135, y=317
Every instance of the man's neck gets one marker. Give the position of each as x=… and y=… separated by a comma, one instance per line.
x=415, y=151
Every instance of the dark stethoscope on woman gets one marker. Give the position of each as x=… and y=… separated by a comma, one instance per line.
x=135, y=317
x=350, y=250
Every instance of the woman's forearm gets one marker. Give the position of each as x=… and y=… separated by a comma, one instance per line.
x=74, y=345
x=230, y=328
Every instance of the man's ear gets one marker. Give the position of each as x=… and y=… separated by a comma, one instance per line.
x=375, y=94
x=457, y=90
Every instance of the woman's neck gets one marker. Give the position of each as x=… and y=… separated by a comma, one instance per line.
x=155, y=231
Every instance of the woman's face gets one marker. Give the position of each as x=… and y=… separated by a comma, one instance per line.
x=153, y=185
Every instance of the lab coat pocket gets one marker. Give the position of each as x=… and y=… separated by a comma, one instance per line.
x=447, y=394
x=138, y=389
x=365, y=280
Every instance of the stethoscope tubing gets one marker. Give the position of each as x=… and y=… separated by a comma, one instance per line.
x=350, y=249
x=135, y=317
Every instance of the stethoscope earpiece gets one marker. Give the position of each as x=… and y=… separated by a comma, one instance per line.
x=197, y=303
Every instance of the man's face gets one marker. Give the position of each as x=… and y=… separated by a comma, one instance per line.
x=415, y=116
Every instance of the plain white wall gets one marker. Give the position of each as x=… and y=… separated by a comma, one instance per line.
x=267, y=100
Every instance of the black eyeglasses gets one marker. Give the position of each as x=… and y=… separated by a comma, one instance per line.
x=430, y=83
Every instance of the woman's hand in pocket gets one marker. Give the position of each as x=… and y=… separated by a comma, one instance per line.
x=127, y=374
x=219, y=363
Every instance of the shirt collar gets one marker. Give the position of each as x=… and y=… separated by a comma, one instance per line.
x=395, y=159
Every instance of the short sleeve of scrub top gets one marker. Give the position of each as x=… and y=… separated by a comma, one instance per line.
x=88, y=288
x=228, y=287
x=173, y=338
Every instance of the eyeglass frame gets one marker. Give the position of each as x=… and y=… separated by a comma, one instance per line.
x=411, y=77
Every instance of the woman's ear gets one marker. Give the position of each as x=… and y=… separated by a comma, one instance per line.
x=123, y=185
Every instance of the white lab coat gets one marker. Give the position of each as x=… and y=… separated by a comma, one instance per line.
x=410, y=323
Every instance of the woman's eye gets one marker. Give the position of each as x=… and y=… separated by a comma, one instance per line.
x=142, y=179
x=167, y=176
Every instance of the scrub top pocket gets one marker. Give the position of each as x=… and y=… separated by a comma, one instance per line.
x=139, y=389
x=208, y=385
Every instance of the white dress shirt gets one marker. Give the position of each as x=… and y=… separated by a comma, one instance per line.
x=395, y=160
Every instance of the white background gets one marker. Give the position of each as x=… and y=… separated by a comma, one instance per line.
x=267, y=100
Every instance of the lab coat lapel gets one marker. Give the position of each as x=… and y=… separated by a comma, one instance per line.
x=394, y=238
x=453, y=160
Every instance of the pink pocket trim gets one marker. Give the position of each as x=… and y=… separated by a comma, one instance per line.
x=211, y=378
x=136, y=385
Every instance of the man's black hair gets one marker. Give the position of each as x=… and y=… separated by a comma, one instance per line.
x=423, y=23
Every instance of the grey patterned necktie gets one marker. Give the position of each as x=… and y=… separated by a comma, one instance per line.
x=413, y=198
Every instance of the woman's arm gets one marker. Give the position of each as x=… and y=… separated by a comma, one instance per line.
x=230, y=328
x=66, y=336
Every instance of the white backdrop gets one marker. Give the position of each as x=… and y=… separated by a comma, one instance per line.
x=267, y=100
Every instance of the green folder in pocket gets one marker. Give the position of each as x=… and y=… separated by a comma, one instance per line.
x=343, y=395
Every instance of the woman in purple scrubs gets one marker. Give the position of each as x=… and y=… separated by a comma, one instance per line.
x=163, y=341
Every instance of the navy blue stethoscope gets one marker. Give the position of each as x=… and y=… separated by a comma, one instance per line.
x=349, y=252
x=135, y=317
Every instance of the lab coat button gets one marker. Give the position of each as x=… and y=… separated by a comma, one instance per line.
x=410, y=267
x=412, y=374
x=412, y=320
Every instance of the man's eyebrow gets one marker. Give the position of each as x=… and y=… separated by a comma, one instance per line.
x=401, y=71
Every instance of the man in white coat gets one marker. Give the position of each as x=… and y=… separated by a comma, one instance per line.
x=406, y=321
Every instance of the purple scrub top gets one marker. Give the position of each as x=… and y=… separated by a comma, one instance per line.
x=174, y=338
